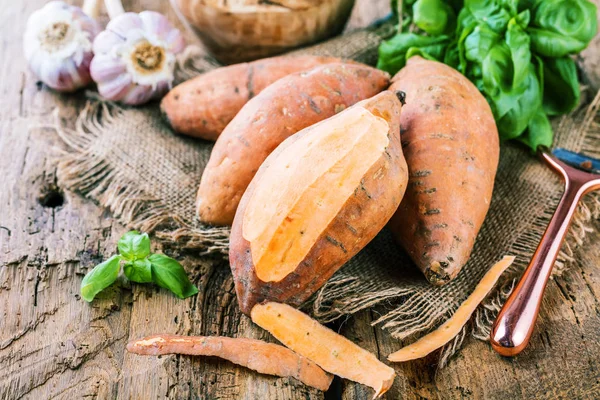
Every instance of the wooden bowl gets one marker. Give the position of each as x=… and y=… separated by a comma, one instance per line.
x=243, y=30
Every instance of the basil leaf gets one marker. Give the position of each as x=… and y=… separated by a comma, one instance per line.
x=561, y=86
x=489, y=12
x=134, y=245
x=466, y=25
x=479, y=42
x=392, y=52
x=539, y=131
x=169, y=274
x=100, y=277
x=562, y=27
x=518, y=44
x=434, y=16
x=513, y=107
x=138, y=271
x=551, y=44
x=434, y=52
x=497, y=70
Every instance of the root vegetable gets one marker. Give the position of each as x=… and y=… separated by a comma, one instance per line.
x=332, y=352
x=278, y=112
x=451, y=146
x=449, y=329
x=316, y=201
x=203, y=106
x=266, y=358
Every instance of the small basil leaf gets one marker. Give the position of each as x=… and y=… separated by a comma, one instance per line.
x=138, y=271
x=392, y=52
x=552, y=44
x=523, y=18
x=518, y=44
x=561, y=86
x=497, y=70
x=434, y=52
x=489, y=12
x=100, y=277
x=134, y=245
x=513, y=108
x=539, y=131
x=169, y=274
x=467, y=25
x=479, y=43
x=562, y=27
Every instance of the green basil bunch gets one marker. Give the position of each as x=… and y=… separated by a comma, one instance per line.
x=139, y=265
x=517, y=53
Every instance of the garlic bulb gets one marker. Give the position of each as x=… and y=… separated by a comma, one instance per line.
x=135, y=57
x=58, y=45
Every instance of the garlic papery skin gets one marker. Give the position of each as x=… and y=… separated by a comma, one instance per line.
x=135, y=57
x=58, y=45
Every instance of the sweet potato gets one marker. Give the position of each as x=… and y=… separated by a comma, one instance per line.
x=332, y=352
x=451, y=147
x=203, y=106
x=284, y=108
x=266, y=358
x=452, y=327
x=317, y=200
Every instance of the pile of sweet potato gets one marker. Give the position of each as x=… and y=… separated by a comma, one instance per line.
x=313, y=157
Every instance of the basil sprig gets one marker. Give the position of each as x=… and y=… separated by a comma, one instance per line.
x=517, y=52
x=139, y=265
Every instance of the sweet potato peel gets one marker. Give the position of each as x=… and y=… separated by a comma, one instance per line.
x=263, y=357
x=332, y=352
x=448, y=330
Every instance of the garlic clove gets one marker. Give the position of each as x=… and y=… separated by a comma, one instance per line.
x=115, y=89
x=106, y=68
x=124, y=24
x=105, y=41
x=137, y=95
x=58, y=45
x=155, y=22
x=175, y=41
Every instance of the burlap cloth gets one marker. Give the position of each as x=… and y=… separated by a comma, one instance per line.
x=129, y=161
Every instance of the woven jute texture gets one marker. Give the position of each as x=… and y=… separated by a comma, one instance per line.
x=129, y=161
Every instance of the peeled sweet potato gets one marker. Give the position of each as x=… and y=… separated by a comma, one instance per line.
x=451, y=147
x=284, y=108
x=203, y=106
x=317, y=200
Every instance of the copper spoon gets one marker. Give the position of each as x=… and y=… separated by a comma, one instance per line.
x=514, y=325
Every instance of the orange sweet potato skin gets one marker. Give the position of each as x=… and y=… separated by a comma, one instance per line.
x=451, y=147
x=363, y=215
x=284, y=108
x=203, y=106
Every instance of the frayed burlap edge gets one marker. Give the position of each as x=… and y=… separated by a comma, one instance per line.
x=90, y=175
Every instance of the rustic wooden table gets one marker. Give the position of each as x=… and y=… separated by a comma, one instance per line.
x=53, y=344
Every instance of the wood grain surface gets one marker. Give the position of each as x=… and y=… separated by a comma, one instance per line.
x=54, y=345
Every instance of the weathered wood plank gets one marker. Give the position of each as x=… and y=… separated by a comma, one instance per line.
x=52, y=344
